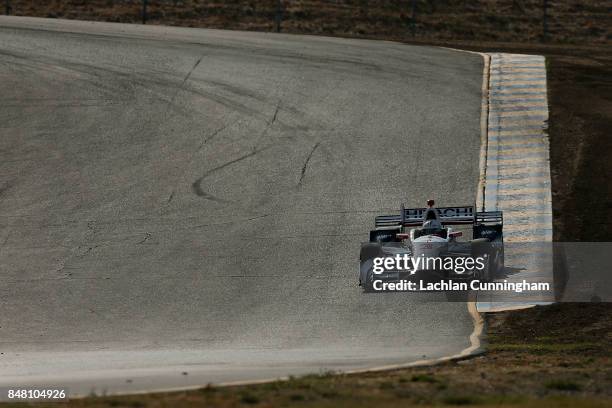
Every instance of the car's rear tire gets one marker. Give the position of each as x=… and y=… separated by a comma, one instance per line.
x=482, y=247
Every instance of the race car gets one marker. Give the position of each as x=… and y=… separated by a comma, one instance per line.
x=433, y=239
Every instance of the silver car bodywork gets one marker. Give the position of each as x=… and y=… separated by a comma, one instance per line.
x=433, y=237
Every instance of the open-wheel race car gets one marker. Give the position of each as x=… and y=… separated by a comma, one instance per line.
x=425, y=234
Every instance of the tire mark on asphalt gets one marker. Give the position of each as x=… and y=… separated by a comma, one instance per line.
x=197, y=189
x=275, y=114
x=191, y=71
x=197, y=185
x=185, y=79
x=204, y=141
x=305, y=166
x=146, y=238
x=213, y=135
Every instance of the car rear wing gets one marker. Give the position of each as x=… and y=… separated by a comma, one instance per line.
x=414, y=216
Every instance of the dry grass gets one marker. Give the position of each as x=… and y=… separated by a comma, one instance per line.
x=569, y=21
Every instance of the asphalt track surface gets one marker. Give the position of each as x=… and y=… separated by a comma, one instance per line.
x=184, y=206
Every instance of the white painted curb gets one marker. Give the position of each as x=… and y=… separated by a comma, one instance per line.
x=516, y=175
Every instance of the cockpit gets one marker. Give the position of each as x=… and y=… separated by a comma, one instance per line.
x=431, y=225
x=428, y=230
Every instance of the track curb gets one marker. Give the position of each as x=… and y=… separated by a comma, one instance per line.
x=517, y=165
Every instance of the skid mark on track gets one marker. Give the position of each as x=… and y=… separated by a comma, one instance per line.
x=146, y=238
x=305, y=166
x=197, y=189
x=229, y=163
x=212, y=136
x=197, y=185
x=185, y=79
x=191, y=71
x=275, y=114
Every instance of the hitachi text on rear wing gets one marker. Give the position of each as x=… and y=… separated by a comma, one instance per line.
x=409, y=217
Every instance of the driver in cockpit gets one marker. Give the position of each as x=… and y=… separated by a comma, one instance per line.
x=432, y=227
